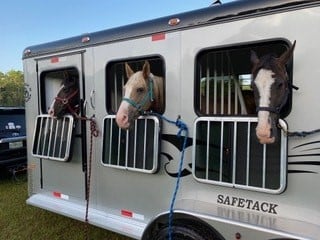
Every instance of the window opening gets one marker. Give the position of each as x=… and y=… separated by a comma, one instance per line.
x=51, y=82
x=136, y=149
x=226, y=149
x=52, y=137
x=227, y=153
x=116, y=79
x=223, y=79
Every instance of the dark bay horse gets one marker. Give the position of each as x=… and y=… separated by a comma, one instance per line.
x=142, y=92
x=271, y=89
x=67, y=99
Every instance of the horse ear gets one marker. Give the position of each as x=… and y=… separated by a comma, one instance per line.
x=254, y=58
x=146, y=70
x=285, y=57
x=65, y=77
x=129, y=71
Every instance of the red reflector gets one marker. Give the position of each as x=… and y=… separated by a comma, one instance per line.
x=126, y=213
x=159, y=36
x=57, y=194
x=54, y=60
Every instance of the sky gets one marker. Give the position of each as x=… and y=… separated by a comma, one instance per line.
x=30, y=22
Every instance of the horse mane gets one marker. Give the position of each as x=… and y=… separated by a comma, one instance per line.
x=158, y=104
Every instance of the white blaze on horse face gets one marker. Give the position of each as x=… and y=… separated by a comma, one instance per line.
x=264, y=81
x=122, y=117
x=51, y=108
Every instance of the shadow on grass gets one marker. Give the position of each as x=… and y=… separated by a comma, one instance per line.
x=19, y=221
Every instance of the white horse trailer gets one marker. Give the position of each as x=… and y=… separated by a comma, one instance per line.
x=230, y=186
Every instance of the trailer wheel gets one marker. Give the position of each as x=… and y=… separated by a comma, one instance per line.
x=187, y=232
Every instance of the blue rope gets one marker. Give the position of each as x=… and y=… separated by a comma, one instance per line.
x=182, y=127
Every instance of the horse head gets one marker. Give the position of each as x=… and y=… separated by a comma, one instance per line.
x=142, y=92
x=271, y=89
x=67, y=99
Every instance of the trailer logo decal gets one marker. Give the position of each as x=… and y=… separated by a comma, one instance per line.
x=238, y=202
x=27, y=92
x=305, y=149
x=175, y=141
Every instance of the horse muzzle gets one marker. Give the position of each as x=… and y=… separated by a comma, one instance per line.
x=122, y=120
x=265, y=138
x=266, y=128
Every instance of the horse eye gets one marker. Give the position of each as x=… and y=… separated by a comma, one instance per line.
x=140, y=90
x=280, y=84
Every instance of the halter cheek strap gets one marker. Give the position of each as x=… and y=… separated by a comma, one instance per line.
x=65, y=101
x=147, y=97
x=277, y=109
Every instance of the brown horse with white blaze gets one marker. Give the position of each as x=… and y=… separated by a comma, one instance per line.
x=142, y=92
x=271, y=89
x=67, y=99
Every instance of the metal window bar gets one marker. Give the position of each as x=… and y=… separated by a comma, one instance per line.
x=52, y=137
x=234, y=153
x=222, y=87
x=210, y=131
x=115, y=91
x=136, y=149
x=248, y=154
x=117, y=83
x=218, y=98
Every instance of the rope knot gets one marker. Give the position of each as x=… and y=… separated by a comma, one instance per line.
x=181, y=125
x=93, y=128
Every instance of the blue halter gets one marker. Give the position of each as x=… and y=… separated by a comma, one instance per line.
x=148, y=96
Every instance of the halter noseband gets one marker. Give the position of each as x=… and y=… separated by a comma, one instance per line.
x=65, y=101
x=147, y=96
x=277, y=109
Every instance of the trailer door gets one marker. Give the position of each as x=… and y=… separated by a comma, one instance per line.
x=59, y=144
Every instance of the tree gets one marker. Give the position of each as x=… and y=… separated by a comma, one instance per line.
x=11, y=89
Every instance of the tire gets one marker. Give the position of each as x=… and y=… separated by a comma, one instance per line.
x=186, y=232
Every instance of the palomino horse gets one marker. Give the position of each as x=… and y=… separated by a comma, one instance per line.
x=271, y=89
x=67, y=99
x=142, y=92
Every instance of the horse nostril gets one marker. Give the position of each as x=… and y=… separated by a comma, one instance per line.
x=124, y=118
x=51, y=112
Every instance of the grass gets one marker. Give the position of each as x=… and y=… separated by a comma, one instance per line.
x=19, y=221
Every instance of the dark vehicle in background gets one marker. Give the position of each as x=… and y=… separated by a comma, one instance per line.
x=12, y=138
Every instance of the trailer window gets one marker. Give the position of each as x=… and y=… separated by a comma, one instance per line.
x=223, y=79
x=51, y=82
x=227, y=153
x=116, y=78
x=52, y=138
x=135, y=149
x=226, y=150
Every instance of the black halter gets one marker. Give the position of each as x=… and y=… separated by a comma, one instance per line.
x=277, y=109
